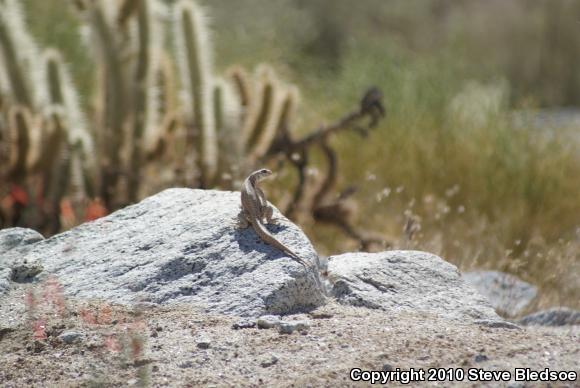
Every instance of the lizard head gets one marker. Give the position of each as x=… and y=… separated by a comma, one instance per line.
x=261, y=174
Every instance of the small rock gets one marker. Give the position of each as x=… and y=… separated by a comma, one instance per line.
x=268, y=321
x=4, y=331
x=25, y=272
x=14, y=238
x=397, y=280
x=69, y=337
x=559, y=316
x=203, y=343
x=497, y=324
x=480, y=358
x=320, y=315
x=39, y=346
x=186, y=365
x=289, y=327
x=508, y=294
x=269, y=361
x=388, y=367
x=244, y=324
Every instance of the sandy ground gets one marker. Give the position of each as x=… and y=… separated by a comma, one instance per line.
x=181, y=346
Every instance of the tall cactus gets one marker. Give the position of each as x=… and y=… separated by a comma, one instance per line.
x=141, y=87
x=227, y=113
x=19, y=128
x=262, y=118
x=192, y=38
x=66, y=140
x=17, y=52
x=115, y=99
x=286, y=118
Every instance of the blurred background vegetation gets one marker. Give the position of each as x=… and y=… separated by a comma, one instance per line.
x=463, y=165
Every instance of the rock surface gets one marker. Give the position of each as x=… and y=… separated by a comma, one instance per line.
x=183, y=245
x=508, y=294
x=17, y=240
x=14, y=243
x=560, y=316
x=405, y=280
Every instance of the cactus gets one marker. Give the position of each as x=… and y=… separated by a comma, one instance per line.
x=14, y=45
x=286, y=118
x=241, y=80
x=262, y=118
x=115, y=96
x=64, y=108
x=192, y=39
x=141, y=81
x=226, y=108
x=19, y=124
x=57, y=168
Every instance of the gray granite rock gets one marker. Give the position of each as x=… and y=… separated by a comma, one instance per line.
x=508, y=294
x=19, y=239
x=14, y=244
x=183, y=245
x=559, y=316
x=405, y=280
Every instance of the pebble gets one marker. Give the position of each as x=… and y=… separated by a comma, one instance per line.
x=269, y=361
x=244, y=324
x=69, y=337
x=203, y=343
x=388, y=367
x=289, y=327
x=268, y=321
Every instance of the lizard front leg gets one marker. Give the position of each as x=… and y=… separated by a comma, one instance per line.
x=243, y=219
x=268, y=214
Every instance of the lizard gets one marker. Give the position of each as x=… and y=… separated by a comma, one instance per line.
x=256, y=212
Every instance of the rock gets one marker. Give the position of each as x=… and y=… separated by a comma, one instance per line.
x=508, y=294
x=17, y=238
x=559, y=316
x=25, y=272
x=405, y=281
x=183, y=246
x=5, y=330
x=69, y=337
x=203, y=343
x=387, y=368
x=244, y=324
x=480, y=358
x=289, y=327
x=495, y=324
x=14, y=243
x=5, y=274
x=268, y=321
x=185, y=365
x=269, y=360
